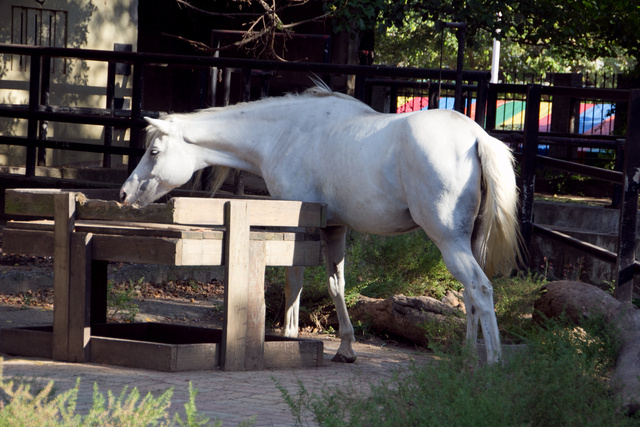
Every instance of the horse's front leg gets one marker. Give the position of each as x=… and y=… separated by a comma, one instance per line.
x=292, y=290
x=334, y=238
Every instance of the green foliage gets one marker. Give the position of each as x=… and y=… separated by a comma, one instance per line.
x=514, y=298
x=559, y=380
x=442, y=332
x=417, y=42
x=383, y=266
x=22, y=404
x=121, y=299
x=375, y=266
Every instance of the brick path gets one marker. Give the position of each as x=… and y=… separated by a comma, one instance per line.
x=231, y=397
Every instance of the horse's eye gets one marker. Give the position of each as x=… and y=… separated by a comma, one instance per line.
x=154, y=152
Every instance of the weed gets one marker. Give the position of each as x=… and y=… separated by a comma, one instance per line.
x=121, y=299
x=560, y=380
x=23, y=404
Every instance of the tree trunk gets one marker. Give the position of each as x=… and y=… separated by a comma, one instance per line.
x=579, y=301
x=418, y=319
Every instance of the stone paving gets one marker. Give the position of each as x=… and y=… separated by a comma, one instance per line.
x=231, y=397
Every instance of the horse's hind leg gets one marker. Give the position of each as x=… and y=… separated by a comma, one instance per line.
x=334, y=238
x=292, y=289
x=462, y=264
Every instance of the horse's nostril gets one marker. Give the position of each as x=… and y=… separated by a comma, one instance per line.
x=123, y=196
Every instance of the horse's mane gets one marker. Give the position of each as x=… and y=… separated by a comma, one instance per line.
x=320, y=90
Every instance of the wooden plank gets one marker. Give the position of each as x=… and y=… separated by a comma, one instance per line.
x=133, y=354
x=237, y=259
x=29, y=342
x=262, y=213
x=27, y=242
x=256, y=308
x=134, y=249
x=291, y=354
x=112, y=210
x=200, y=252
x=79, y=297
x=197, y=357
x=64, y=214
x=30, y=201
x=180, y=210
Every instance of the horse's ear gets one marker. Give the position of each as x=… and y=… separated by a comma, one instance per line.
x=162, y=125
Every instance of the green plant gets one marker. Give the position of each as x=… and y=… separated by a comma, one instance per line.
x=514, y=298
x=559, y=380
x=444, y=331
x=23, y=404
x=121, y=299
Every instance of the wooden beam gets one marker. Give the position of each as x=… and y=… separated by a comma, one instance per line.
x=256, y=308
x=80, y=297
x=237, y=259
x=64, y=214
x=179, y=210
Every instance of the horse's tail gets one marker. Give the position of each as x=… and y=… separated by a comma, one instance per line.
x=499, y=247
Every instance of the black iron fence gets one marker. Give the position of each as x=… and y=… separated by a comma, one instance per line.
x=38, y=111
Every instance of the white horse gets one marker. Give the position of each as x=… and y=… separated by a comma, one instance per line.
x=377, y=173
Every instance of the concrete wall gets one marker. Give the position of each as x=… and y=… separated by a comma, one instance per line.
x=88, y=24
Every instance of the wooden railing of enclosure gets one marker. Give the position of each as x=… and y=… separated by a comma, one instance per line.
x=38, y=110
x=628, y=177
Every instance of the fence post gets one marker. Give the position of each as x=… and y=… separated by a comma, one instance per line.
x=528, y=165
x=481, y=101
x=136, y=112
x=34, y=104
x=629, y=208
x=492, y=100
x=45, y=86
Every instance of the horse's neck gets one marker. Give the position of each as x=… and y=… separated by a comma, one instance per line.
x=237, y=138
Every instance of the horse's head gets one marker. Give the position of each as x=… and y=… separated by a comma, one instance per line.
x=166, y=164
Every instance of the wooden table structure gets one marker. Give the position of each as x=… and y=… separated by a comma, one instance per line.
x=84, y=233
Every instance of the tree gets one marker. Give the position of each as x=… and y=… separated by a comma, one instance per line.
x=566, y=29
x=572, y=32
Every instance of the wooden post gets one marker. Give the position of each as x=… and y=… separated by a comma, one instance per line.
x=529, y=153
x=237, y=260
x=256, y=308
x=79, y=330
x=64, y=206
x=629, y=208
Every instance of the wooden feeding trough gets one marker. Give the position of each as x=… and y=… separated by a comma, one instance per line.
x=84, y=231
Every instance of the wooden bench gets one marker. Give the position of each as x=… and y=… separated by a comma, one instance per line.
x=84, y=233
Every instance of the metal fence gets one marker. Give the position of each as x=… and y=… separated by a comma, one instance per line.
x=38, y=111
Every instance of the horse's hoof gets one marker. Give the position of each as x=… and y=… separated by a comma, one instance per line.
x=341, y=358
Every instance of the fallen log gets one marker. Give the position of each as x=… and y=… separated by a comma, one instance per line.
x=413, y=318
x=579, y=301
